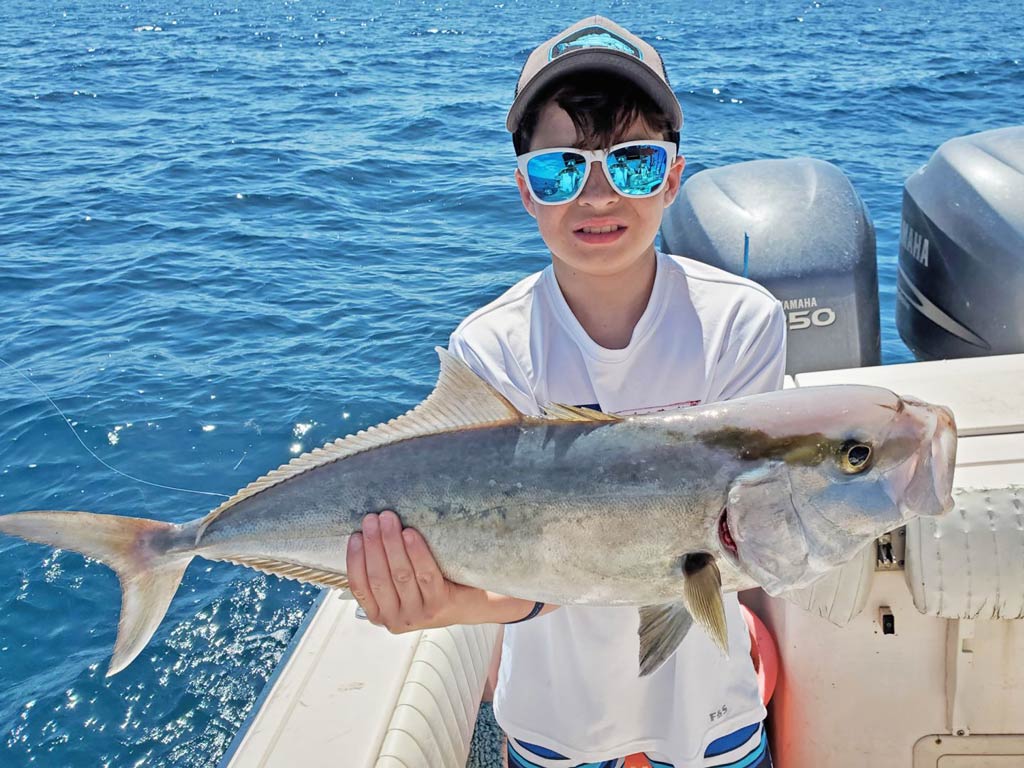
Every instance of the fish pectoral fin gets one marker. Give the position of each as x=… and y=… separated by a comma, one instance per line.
x=560, y=412
x=702, y=590
x=662, y=629
x=294, y=571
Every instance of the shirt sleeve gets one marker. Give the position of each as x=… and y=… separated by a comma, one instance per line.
x=756, y=363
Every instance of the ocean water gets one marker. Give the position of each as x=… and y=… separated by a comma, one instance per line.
x=232, y=231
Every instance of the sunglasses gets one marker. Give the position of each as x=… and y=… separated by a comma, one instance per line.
x=634, y=169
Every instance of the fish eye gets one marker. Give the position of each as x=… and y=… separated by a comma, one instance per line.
x=854, y=457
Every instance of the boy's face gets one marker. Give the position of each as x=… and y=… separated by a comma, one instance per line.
x=564, y=227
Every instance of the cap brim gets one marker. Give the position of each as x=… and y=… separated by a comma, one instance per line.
x=603, y=60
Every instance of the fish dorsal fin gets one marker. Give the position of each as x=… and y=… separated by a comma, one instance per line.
x=460, y=400
x=559, y=412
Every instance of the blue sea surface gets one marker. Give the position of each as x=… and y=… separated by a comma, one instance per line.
x=232, y=231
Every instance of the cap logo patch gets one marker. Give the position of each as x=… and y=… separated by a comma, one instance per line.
x=593, y=37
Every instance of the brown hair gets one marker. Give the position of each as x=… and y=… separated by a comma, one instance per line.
x=601, y=106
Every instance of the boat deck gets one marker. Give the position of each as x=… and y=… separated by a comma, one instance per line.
x=940, y=690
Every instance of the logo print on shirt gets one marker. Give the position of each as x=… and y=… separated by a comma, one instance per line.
x=719, y=713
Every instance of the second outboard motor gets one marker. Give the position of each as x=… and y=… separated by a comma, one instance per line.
x=961, y=278
x=798, y=227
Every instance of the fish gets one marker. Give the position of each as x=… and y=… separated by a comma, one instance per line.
x=664, y=511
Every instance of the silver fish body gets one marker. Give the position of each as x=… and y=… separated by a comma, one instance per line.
x=574, y=508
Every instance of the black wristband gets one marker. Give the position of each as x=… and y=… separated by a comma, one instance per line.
x=537, y=608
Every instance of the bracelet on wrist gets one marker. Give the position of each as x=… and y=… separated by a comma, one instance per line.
x=537, y=607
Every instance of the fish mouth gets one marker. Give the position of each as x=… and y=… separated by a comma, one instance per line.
x=943, y=449
x=725, y=535
x=922, y=486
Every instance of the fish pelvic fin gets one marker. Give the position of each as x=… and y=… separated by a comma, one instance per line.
x=148, y=556
x=662, y=629
x=702, y=591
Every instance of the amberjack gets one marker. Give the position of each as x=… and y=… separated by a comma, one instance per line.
x=573, y=506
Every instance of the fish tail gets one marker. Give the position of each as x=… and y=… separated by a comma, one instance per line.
x=148, y=556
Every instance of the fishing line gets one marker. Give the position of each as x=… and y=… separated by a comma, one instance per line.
x=93, y=453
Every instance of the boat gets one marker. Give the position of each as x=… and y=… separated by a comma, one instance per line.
x=910, y=656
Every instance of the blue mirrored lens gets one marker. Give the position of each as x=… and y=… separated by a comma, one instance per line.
x=555, y=177
x=638, y=170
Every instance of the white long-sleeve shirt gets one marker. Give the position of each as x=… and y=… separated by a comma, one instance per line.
x=568, y=679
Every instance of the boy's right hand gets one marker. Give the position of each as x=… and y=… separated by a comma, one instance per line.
x=394, y=577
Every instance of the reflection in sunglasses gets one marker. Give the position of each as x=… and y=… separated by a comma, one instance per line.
x=635, y=169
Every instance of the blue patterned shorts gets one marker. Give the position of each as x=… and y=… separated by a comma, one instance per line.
x=745, y=748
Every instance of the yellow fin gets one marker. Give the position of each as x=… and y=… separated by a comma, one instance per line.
x=559, y=412
x=702, y=589
x=460, y=400
x=662, y=629
x=292, y=571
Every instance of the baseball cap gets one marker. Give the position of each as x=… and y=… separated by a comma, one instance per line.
x=595, y=44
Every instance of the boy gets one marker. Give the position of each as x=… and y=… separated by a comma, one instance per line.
x=615, y=325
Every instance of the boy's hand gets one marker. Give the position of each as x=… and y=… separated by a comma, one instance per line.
x=394, y=577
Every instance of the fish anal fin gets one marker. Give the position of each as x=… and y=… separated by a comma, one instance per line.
x=662, y=629
x=294, y=571
x=460, y=400
x=560, y=412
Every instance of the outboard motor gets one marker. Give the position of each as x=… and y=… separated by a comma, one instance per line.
x=961, y=265
x=797, y=227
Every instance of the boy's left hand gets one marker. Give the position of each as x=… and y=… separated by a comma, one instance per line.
x=394, y=577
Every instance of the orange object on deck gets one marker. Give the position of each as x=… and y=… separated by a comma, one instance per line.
x=639, y=760
x=763, y=652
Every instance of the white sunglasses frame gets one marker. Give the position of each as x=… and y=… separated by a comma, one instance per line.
x=597, y=155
